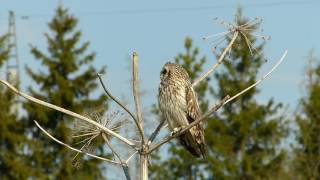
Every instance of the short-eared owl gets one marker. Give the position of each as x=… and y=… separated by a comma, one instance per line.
x=179, y=106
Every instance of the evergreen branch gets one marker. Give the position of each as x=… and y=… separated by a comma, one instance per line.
x=70, y=113
x=123, y=164
x=197, y=81
x=136, y=95
x=224, y=101
x=119, y=103
x=206, y=115
x=74, y=149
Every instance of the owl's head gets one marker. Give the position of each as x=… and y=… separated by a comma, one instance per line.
x=173, y=72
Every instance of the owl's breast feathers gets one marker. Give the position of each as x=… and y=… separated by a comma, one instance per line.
x=179, y=107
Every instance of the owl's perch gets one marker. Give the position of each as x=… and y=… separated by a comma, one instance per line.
x=224, y=101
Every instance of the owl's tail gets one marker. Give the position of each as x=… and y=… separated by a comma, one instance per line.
x=195, y=147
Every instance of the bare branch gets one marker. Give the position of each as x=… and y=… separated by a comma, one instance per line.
x=226, y=100
x=111, y=148
x=70, y=113
x=261, y=79
x=74, y=149
x=123, y=164
x=156, y=131
x=235, y=35
x=120, y=104
x=136, y=95
x=206, y=115
x=130, y=157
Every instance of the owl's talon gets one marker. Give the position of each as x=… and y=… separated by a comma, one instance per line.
x=175, y=131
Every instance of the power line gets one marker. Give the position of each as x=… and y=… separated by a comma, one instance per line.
x=171, y=9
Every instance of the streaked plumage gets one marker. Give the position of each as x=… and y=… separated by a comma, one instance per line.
x=179, y=106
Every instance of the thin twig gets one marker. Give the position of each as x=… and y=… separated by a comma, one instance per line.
x=206, y=115
x=261, y=79
x=123, y=164
x=130, y=157
x=136, y=95
x=70, y=113
x=116, y=100
x=156, y=131
x=235, y=35
x=74, y=149
x=111, y=148
x=226, y=100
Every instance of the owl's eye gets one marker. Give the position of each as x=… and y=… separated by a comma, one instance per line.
x=164, y=71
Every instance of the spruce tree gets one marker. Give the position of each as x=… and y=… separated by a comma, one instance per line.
x=307, y=152
x=12, y=138
x=67, y=79
x=244, y=136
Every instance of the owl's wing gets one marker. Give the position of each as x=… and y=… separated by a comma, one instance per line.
x=193, y=110
x=194, y=113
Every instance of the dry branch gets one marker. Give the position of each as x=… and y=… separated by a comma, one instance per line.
x=228, y=48
x=156, y=131
x=74, y=149
x=70, y=113
x=114, y=152
x=121, y=105
x=136, y=95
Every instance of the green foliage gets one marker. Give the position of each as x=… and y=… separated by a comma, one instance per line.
x=12, y=139
x=243, y=138
x=67, y=81
x=308, y=150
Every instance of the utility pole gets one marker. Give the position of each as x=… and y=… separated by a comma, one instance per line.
x=12, y=65
x=12, y=68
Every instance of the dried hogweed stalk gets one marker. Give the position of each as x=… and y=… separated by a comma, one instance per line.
x=89, y=137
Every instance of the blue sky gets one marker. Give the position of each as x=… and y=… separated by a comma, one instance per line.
x=156, y=30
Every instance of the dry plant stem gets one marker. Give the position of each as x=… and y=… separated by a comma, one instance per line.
x=226, y=100
x=144, y=166
x=136, y=95
x=225, y=51
x=74, y=149
x=111, y=148
x=156, y=132
x=113, y=98
x=131, y=156
x=70, y=113
x=206, y=115
x=261, y=79
x=120, y=104
x=123, y=164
